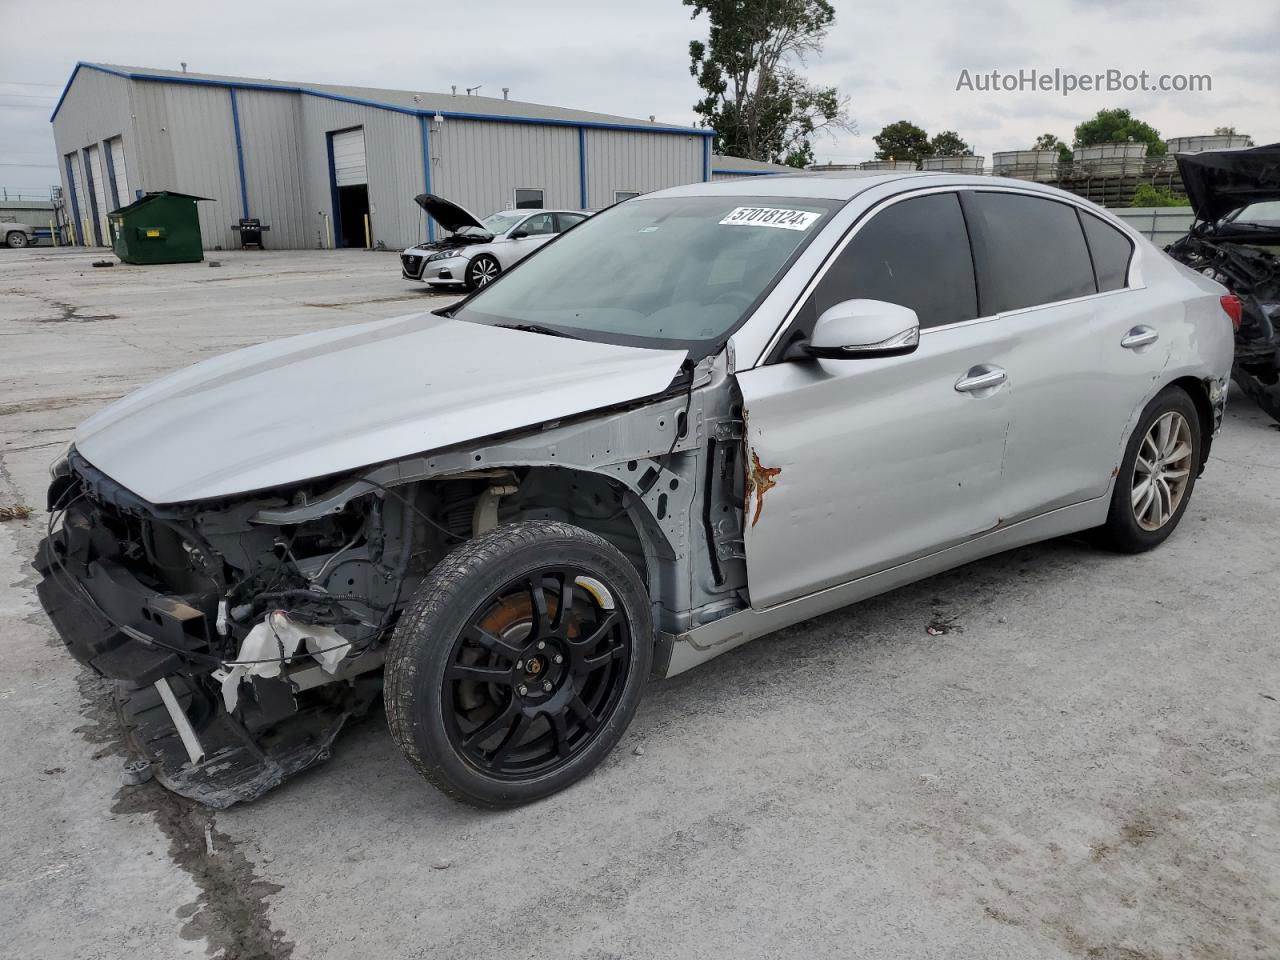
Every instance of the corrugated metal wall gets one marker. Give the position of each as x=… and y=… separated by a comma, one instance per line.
x=627, y=160
x=1160, y=225
x=393, y=154
x=479, y=164
x=97, y=107
x=271, y=137
x=180, y=136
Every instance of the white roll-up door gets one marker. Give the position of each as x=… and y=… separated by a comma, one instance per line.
x=81, y=207
x=348, y=158
x=101, y=191
x=117, y=168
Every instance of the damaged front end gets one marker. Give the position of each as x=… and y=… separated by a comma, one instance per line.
x=238, y=649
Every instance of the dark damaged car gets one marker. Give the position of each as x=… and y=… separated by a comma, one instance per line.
x=698, y=417
x=1235, y=239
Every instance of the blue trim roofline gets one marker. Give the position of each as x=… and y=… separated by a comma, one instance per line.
x=393, y=108
x=235, y=123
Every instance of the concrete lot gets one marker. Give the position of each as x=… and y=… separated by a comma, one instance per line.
x=1086, y=764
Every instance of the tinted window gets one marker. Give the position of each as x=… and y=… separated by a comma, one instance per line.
x=914, y=253
x=567, y=220
x=1030, y=251
x=528, y=199
x=538, y=225
x=1111, y=251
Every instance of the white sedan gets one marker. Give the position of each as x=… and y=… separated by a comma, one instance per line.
x=476, y=251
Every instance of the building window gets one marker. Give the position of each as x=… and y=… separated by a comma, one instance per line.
x=620, y=195
x=528, y=198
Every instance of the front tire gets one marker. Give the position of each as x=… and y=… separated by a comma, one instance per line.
x=482, y=271
x=16, y=240
x=519, y=663
x=1157, y=475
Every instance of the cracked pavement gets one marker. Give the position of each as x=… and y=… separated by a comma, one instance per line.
x=1085, y=764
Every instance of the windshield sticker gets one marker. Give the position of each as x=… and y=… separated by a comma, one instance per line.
x=770, y=217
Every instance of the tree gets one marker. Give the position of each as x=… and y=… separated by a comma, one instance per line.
x=759, y=106
x=1148, y=195
x=1114, y=126
x=902, y=140
x=1048, y=141
x=948, y=144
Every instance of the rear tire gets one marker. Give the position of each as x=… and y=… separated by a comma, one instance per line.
x=1157, y=475
x=482, y=271
x=494, y=697
x=16, y=240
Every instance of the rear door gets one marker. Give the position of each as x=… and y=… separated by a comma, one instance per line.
x=1085, y=349
x=537, y=230
x=857, y=465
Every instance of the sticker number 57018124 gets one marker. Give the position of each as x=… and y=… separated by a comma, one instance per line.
x=770, y=217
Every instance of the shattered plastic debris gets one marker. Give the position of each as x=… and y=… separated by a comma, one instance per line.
x=274, y=640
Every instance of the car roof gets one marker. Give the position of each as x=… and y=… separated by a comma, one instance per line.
x=529, y=211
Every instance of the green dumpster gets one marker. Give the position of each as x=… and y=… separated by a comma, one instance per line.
x=160, y=227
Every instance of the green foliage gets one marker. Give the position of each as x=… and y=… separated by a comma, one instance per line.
x=1117, y=126
x=756, y=102
x=902, y=140
x=1049, y=141
x=1148, y=195
x=948, y=144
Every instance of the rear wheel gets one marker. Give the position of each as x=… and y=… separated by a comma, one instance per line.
x=519, y=663
x=482, y=271
x=1157, y=476
x=16, y=239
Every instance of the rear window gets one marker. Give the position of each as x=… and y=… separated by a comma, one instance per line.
x=1031, y=251
x=1111, y=251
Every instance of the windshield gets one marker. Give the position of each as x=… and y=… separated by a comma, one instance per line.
x=663, y=271
x=1266, y=212
x=494, y=225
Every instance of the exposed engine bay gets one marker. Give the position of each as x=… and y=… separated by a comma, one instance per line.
x=244, y=634
x=1223, y=244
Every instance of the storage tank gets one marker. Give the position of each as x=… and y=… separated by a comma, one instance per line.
x=969, y=164
x=1038, y=165
x=888, y=165
x=1217, y=141
x=1125, y=159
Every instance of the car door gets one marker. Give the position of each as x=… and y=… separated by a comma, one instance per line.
x=857, y=465
x=1086, y=351
x=533, y=232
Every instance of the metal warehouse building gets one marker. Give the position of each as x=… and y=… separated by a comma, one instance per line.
x=310, y=161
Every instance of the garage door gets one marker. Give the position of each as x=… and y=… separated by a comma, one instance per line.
x=81, y=204
x=100, y=188
x=348, y=158
x=122, y=195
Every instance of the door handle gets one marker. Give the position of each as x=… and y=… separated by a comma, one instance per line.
x=981, y=378
x=1139, y=336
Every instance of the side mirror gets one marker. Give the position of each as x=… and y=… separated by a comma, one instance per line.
x=859, y=329
x=518, y=235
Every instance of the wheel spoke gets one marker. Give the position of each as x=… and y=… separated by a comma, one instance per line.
x=513, y=737
x=1164, y=432
x=1176, y=474
x=592, y=664
x=538, y=596
x=564, y=607
x=600, y=632
x=583, y=712
x=1143, y=509
x=1165, y=497
x=560, y=731
x=1179, y=451
x=1140, y=492
x=503, y=721
x=1143, y=466
x=491, y=643
x=463, y=671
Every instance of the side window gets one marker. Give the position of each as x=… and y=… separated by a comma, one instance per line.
x=528, y=198
x=1111, y=251
x=567, y=220
x=1030, y=251
x=538, y=225
x=914, y=253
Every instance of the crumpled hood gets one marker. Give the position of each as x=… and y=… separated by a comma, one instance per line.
x=336, y=400
x=1219, y=181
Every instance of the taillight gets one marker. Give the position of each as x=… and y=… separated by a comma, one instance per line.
x=1234, y=309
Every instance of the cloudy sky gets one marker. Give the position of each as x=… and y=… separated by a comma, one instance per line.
x=895, y=61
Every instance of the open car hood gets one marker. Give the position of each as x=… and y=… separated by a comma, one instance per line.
x=336, y=400
x=1219, y=181
x=447, y=213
